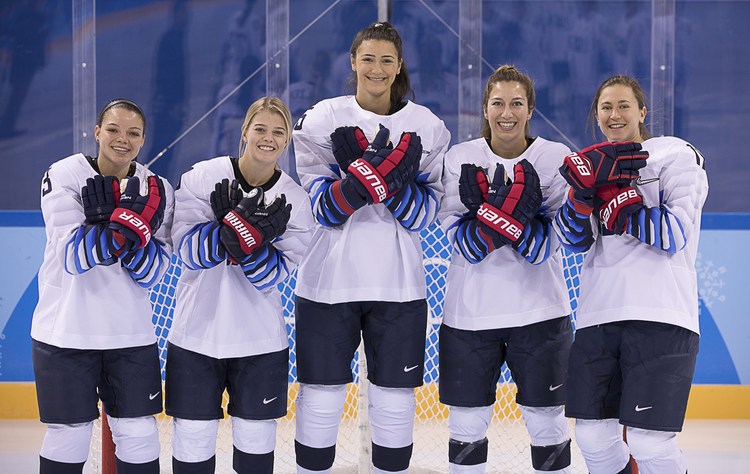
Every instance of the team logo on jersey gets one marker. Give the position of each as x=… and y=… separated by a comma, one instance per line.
x=641, y=181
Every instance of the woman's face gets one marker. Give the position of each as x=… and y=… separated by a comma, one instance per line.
x=377, y=65
x=120, y=138
x=265, y=137
x=507, y=111
x=618, y=115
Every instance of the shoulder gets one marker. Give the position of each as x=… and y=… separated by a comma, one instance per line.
x=420, y=114
x=471, y=150
x=321, y=117
x=290, y=188
x=72, y=163
x=546, y=147
x=669, y=149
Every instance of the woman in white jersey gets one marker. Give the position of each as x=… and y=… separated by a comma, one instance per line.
x=240, y=226
x=363, y=274
x=633, y=358
x=506, y=299
x=93, y=338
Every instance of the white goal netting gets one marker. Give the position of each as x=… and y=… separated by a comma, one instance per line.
x=509, y=450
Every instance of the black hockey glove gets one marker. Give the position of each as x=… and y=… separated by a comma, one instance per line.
x=100, y=197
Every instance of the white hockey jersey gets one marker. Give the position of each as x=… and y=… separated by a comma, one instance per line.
x=219, y=312
x=103, y=307
x=651, y=277
x=504, y=289
x=372, y=256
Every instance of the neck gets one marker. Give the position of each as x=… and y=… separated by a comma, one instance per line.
x=509, y=150
x=106, y=168
x=254, y=172
x=379, y=105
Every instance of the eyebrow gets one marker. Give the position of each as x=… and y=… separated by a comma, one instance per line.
x=383, y=56
x=113, y=124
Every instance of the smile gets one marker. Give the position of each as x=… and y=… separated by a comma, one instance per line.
x=266, y=148
x=506, y=125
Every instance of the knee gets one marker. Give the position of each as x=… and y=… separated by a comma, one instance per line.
x=194, y=440
x=318, y=412
x=595, y=436
x=67, y=443
x=547, y=426
x=136, y=439
x=391, y=413
x=647, y=444
x=254, y=436
x=469, y=424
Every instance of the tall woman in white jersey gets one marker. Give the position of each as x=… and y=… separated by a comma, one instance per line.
x=240, y=226
x=93, y=338
x=633, y=358
x=363, y=276
x=506, y=299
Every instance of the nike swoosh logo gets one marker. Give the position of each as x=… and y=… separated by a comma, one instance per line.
x=552, y=389
x=641, y=181
x=409, y=369
x=266, y=402
x=637, y=408
x=543, y=187
x=151, y=397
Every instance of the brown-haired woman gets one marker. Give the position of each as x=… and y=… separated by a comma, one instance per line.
x=107, y=243
x=506, y=300
x=634, y=355
x=363, y=275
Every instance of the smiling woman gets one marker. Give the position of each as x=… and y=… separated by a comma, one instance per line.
x=240, y=226
x=363, y=277
x=106, y=245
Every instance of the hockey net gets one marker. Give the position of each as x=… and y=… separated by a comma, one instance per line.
x=509, y=450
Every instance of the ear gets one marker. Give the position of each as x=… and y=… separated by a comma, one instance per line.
x=353, y=59
x=96, y=133
x=531, y=112
x=400, y=64
x=484, y=107
x=643, y=114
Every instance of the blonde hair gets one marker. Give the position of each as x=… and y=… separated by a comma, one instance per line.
x=640, y=97
x=507, y=74
x=271, y=104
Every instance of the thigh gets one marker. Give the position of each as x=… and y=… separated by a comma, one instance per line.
x=195, y=385
x=257, y=386
x=130, y=384
x=470, y=365
x=658, y=362
x=537, y=357
x=326, y=337
x=394, y=337
x=594, y=379
x=66, y=382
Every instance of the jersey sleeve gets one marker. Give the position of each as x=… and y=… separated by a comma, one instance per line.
x=573, y=223
x=416, y=205
x=271, y=265
x=149, y=264
x=683, y=188
x=194, y=232
x=80, y=246
x=319, y=173
x=539, y=239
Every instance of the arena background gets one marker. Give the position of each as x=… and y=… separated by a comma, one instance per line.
x=195, y=65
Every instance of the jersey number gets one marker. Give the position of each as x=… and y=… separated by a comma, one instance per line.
x=46, y=184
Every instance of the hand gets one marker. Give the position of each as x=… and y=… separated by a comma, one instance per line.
x=473, y=186
x=100, y=197
x=349, y=143
x=137, y=217
x=603, y=164
x=225, y=197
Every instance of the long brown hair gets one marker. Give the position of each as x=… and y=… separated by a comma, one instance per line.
x=507, y=74
x=640, y=97
x=383, y=31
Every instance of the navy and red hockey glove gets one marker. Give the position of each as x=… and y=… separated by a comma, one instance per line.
x=349, y=144
x=382, y=171
x=100, y=198
x=614, y=206
x=473, y=186
x=138, y=217
x=251, y=225
x=602, y=164
x=225, y=197
x=510, y=207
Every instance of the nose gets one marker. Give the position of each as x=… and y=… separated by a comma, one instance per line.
x=507, y=113
x=615, y=113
